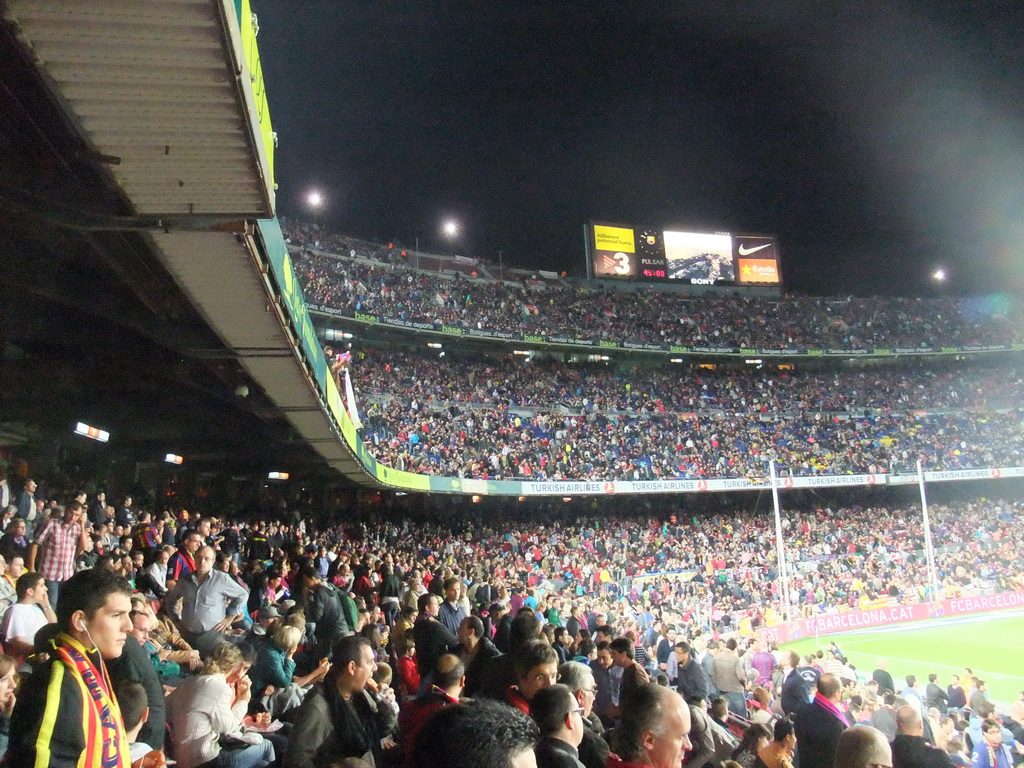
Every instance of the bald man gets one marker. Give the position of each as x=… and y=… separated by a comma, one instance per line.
x=910, y=749
x=861, y=747
x=819, y=724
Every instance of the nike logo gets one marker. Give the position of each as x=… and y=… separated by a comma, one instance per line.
x=747, y=251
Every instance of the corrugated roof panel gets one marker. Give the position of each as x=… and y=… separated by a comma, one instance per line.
x=149, y=78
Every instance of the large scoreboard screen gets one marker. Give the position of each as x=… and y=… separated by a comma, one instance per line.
x=699, y=258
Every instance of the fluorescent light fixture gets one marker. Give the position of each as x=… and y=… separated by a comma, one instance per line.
x=278, y=475
x=94, y=433
x=757, y=361
x=676, y=360
x=433, y=345
x=173, y=458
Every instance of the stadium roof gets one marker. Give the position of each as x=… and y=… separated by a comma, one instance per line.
x=138, y=166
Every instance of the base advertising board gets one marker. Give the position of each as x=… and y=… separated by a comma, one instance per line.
x=836, y=623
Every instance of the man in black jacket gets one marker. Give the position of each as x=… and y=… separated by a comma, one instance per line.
x=934, y=695
x=560, y=720
x=794, y=687
x=324, y=612
x=883, y=678
x=910, y=749
x=476, y=650
x=692, y=680
x=819, y=724
x=433, y=639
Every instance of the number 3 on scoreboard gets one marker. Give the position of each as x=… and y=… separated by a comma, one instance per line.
x=620, y=263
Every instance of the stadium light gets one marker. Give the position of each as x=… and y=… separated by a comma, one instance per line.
x=173, y=458
x=450, y=228
x=315, y=201
x=939, y=275
x=94, y=433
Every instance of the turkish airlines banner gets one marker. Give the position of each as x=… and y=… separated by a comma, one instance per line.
x=830, y=624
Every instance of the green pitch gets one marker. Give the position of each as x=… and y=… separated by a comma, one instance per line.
x=991, y=647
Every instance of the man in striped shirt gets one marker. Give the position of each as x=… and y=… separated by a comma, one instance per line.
x=762, y=661
x=57, y=543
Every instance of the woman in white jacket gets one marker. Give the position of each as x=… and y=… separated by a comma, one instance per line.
x=205, y=715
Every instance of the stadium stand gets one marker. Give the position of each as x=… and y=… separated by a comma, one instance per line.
x=389, y=288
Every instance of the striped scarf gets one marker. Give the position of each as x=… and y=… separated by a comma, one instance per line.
x=106, y=744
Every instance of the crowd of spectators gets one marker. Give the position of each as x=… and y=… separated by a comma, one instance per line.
x=503, y=419
x=517, y=381
x=380, y=283
x=245, y=644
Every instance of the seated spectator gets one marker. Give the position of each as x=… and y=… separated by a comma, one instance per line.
x=135, y=664
x=755, y=738
x=207, y=710
x=14, y=542
x=712, y=742
x=957, y=751
x=8, y=592
x=26, y=617
x=8, y=687
x=173, y=647
x=131, y=697
x=275, y=668
x=338, y=718
x=780, y=752
x=719, y=711
x=760, y=706
x=153, y=579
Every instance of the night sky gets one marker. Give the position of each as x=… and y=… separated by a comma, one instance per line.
x=878, y=140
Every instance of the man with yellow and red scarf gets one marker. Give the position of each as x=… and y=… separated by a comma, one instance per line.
x=67, y=715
